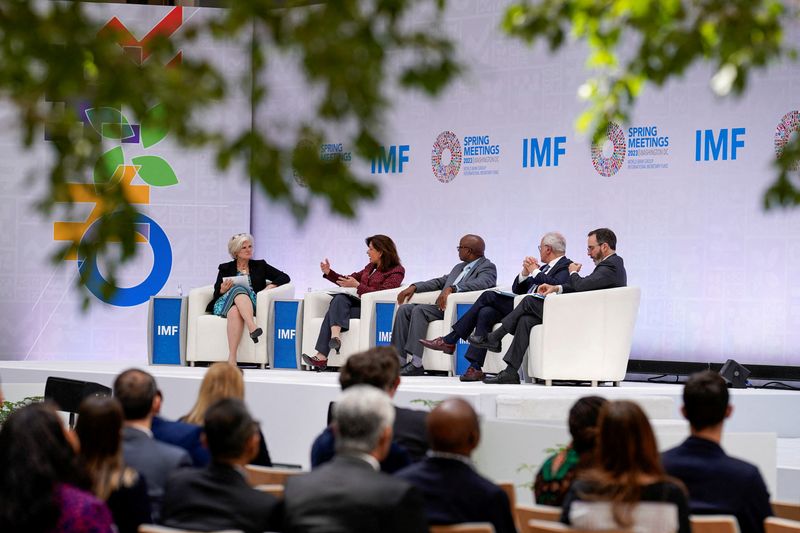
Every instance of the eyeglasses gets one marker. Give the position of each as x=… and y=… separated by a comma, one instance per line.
x=593, y=246
x=463, y=247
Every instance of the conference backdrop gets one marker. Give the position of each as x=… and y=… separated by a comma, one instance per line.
x=497, y=154
x=189, y=212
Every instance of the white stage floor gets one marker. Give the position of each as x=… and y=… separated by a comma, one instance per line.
x=292, y=405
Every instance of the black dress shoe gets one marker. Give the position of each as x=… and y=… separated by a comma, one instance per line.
x=256, y=334
x=505, y=377
x=472, y=374
x=411, y=370
x=485, y=342
x=335, y=344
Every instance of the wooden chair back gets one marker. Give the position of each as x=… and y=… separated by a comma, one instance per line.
x=543, y=526
x=275, y=490
x=789, y=511
x=467, y=527
x=152, y=528
x=524, y=513
x=781, y=525
x=268, y=475
x=722, y=523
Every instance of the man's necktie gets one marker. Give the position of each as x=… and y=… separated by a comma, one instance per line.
x=543, y=269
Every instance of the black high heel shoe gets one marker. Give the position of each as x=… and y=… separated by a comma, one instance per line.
x=335, y=344
x=256, y=334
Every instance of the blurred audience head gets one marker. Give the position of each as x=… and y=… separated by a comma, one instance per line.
x=35, y=456
x=583, y=422
x=363, y=419
x=453, y=427
x=626, y=445
x=705, y=400
x=99, y=429
x=222, y=380
x=137, y=393
x=231, y=433
x=377, y=366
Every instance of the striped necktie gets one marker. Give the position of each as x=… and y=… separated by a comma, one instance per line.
x=543, y=270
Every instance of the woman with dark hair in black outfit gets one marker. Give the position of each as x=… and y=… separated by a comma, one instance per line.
x=40, y=482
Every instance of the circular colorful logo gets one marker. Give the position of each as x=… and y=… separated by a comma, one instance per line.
x=789, y=124
x=155, y=281
x=609, y=165
x=447, y=140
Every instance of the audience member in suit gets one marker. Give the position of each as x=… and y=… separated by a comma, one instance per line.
x=237, y=303
x=491, y=306
x=181, y=434
x=350, y=494
x=155, y=460
x=223, y=381
x=452, y=490
x=609, y=272
x=99, y=430
x=218, y=497
x=42, y=488
x=383, y=271
x=626, y=488
x=378, y=367
x=555, y=477
x=475, y=272
x=717, y=483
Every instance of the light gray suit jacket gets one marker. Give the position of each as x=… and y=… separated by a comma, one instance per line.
x=153, y=459
x=482, y=276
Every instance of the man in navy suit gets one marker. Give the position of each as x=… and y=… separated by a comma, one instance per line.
x=452, y=490
x=609, y=272
x=717, y=483
x=492, y=306
x=474, y=272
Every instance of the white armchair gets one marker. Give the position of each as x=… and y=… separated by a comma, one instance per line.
x=207, y=337
x=585, y=336
x=360, y=336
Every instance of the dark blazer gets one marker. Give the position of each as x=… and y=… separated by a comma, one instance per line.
x=558, y=275
x=377, y=281
x=453, y=492
x=482, y=276
x=217, y=498
x=260, y=272
x=153, y=459
x=719, y=484
x=608, y=274
x=347, y=496
x=324, y=449
x=183, y=435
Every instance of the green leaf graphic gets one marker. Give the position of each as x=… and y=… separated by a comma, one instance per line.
x=154, y=128
x=107, y=165
x=109, y=122
x=155, y=171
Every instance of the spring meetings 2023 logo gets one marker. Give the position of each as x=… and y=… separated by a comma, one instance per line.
x=112, y=167
x=478, y=156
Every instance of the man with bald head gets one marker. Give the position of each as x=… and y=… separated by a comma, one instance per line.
x=474, y=272
x=453, y=491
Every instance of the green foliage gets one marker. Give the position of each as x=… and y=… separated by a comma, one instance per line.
x=52, y=57
x=6, y=408
x=636, y=42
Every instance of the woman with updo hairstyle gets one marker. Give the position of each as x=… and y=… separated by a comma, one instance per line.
x=99, y=429
x=383, y=271
x=237, y=303
x=626, y=487
x=223, y=381
x=41, y=486
x=558, y=471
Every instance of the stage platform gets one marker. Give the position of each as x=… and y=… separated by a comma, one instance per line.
x=292, y=407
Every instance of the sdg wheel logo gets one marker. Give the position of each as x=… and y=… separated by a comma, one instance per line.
x=447, y=140
x=789, y=124
x=609, y=165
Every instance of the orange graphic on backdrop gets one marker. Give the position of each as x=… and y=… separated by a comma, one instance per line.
x=139, y=50
x=86, y=193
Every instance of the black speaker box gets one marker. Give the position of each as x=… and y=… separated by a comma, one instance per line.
x=69, y=393
x=735, y=374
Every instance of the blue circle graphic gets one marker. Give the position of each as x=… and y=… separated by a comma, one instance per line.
x=155, y=281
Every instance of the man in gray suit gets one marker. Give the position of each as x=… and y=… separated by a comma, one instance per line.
x=349, y=494
x=137, y=392
x=475, y=272
x=609, y=272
